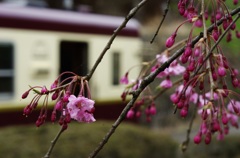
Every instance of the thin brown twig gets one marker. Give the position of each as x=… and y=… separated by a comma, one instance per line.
x=53, y=142
x=161, y=22
x=184, y=145
x=114, y=35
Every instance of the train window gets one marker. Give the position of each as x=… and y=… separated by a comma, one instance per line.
x=74, y=57
x=6, y=69
x=115, y=68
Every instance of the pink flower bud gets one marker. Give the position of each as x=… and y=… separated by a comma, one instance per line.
x=225, y=24
x=53, y=116
x=174, y=98
x=214, y=75
x=66, y=96
x=139, y=103
x=229, y=36
x=199, y=23
x=181, y=7
x=27, y=110
x=208, y=138
x=197, y=51
x=59, y=105
x=67, y=118
x=152, y=110
x=55, y=95
x=180, y=104
x=186, y=75
x=25, y=94
x=233, y=26
x=235, y=82
x=184, y=59
x=191, y=66
x=197, y=139
x=235, y=2
x=221, y=71
x=61, y=120
x=191, y=13
x=184, y=112
x=181, y=10
x=215, y=33
x=40, y=120
x=130, y=114
x=188, y=51
x=64, y=126
x=216, y=125
x=224, y=119
x=237, y=34
x=235, y=72
x=204, y=114
x=54, y=85
x=235, y=109
x=218, y=15
x=170, y=41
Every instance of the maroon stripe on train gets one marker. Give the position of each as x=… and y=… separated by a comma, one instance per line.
x=103, y=111
x=45, y=24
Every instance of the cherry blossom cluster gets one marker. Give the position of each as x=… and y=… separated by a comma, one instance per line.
x=146, y=103
x=207, y=81
x=68, y=106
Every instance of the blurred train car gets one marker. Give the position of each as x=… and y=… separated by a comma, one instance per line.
x=37, y=44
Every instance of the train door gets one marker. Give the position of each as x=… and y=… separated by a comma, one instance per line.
x=74, y=57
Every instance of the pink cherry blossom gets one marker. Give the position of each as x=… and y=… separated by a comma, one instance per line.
x=166, y=83
x=161, y=58
x=81, y=109
x=174, y=69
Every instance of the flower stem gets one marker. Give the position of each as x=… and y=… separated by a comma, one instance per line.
x=53, y=142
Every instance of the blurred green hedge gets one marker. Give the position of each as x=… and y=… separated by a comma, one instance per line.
x=129, y=141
